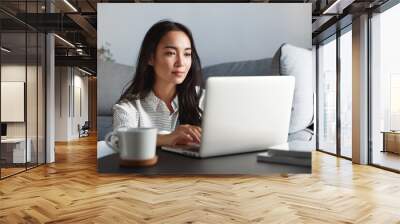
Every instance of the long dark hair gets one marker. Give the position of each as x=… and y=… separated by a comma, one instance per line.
x=143, y=81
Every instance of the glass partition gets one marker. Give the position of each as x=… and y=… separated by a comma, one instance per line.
x=327, y=96
x=13, y=94
x=41, y=91
x=22, y=77
x=31, y=100
x=32, y=85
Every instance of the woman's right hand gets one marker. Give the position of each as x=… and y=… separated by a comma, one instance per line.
x=185, y=134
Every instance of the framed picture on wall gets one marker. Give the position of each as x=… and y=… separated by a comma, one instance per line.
x=12, y=101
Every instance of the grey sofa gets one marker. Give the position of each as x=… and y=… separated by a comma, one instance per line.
x=288, y=60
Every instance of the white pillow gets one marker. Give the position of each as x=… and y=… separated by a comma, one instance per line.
x=297, y=62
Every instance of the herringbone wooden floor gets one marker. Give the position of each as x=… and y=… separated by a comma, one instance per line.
x=71, y=191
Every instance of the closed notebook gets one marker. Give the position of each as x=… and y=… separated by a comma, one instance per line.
x=297, y=149
x=272, y=158
x=294, y=153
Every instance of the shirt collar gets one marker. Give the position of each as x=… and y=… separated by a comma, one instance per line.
x=154, y=101
x=175, y=103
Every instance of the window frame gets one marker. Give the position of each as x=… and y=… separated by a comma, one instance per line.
x=333, y=37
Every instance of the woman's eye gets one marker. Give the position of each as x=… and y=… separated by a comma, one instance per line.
x=188, y=54
x=169, y=53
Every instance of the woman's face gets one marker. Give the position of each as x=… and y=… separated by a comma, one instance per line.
x=173, y=58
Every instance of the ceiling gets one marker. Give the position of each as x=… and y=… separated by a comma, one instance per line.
x=76, y=22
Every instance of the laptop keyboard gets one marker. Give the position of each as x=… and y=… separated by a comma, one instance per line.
x=191, y=150
x=190, y=147
x=191, y=154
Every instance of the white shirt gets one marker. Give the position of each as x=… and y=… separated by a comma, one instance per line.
x=148, y=112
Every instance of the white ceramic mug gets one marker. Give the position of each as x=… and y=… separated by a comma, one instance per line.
x=133, y=143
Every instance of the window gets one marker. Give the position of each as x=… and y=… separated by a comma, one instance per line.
x=395, y=102
x=385, y=87
x=346, y=93
x=327, y=96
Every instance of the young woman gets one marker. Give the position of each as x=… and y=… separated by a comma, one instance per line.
x=165, y=91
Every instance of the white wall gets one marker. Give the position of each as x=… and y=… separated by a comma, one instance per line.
x=15, y=72
x=67, y=116
x=33, y=126
x=81, y=84
x=61, y=103
x=222, y=32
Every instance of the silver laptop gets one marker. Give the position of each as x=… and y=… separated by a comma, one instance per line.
x=243, y=114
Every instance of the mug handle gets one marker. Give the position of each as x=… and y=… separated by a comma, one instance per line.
x=110, y=144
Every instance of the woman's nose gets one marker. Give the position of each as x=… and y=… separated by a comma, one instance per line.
x=179, y=60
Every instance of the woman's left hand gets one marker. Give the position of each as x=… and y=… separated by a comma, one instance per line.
x=185, y=134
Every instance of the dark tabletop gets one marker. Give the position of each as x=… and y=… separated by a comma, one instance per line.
x=175, y=164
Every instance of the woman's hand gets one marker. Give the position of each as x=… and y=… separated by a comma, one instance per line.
x=183, y=135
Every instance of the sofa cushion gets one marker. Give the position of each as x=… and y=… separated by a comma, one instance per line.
x=288, y=60
x=297, y=62
x=111, y=82
x=241, y=68
x=104, y=125
x=302, y=135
